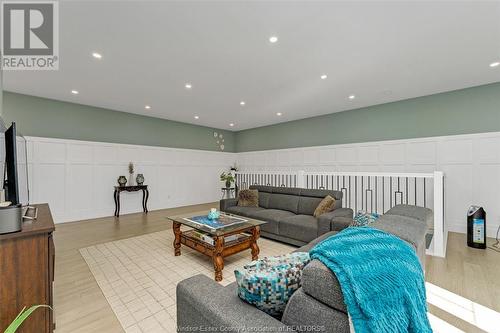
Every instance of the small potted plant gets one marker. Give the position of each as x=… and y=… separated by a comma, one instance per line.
x=228, y=178
x=131, y=173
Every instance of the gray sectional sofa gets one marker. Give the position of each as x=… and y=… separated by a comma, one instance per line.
x=289, y=213
x=318, y=306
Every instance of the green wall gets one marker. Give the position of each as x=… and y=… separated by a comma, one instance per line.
x=43, y=117
x=472, y=110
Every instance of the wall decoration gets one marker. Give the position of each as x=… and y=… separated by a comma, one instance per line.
x=219, y=140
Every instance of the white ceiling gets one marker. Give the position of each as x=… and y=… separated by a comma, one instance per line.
x=379, y=51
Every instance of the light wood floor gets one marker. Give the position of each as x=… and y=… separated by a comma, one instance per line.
x=80, y=307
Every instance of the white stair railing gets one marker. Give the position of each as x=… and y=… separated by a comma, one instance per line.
x=369, y=191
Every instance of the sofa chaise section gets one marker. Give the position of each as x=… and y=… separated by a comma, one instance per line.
x=319, y=302
x=206, y=306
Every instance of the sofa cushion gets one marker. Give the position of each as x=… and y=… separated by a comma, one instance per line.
x=243, y=211
x=264, y=199
x=287, y=190
x=270, y=227
x=310, y=245
x=262, y=188
x=419, y=213
x=248, y=198
x=284, y=202
x=405, y=228
x=264, y=194
x=319, y=282
x=274, y=215
x=306, y=314
x=318, y=193
x=299, y=227
x=307, y=205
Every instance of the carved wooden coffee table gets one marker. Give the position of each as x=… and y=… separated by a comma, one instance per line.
x=248, y=231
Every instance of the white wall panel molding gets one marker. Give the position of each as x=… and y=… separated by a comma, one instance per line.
x=471, y=164
x=77, y=177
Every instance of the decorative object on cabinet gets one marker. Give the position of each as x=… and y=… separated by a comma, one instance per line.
x=122, y=180
x=131, y=174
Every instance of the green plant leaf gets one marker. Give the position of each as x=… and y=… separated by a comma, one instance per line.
x=22, y=316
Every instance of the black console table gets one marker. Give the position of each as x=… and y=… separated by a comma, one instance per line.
x=145, y=196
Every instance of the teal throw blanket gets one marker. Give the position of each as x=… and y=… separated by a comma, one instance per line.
x=381, y=279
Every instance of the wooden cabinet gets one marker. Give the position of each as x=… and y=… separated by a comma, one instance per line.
x=27, y=273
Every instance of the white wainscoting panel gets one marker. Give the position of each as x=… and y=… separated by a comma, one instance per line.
x=471, y=164
x=77, y=177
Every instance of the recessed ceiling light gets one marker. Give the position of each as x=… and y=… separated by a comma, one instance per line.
x=196, y=117
x=494, y=64
x=97, y=55
x=231, y=124
x=273, y=39
x=324, y=76
x=352, y=97
x=242, y=103
x=188, y=86
x=74, y=92
x=279, y=114
x=147, y=107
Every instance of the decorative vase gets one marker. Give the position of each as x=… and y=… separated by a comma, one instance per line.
x=213, y=214
x=122, y=180
x=228, y=183
x=139, y=179
x=131, y=180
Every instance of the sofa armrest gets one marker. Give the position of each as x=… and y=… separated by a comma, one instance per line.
x=335, y=220
x=226, y=203
x=205, y=306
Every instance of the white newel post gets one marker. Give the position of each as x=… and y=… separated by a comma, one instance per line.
x=301, y=179
x=440, y=230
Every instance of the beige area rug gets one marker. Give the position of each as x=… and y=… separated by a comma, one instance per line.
x=138, y=276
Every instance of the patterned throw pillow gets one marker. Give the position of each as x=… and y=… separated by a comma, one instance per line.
x=363, y=218
x=270, y=282
x=248, y=198
x=326, y=205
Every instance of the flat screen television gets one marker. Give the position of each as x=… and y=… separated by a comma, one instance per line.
x=10, y=178
x=13, y=165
